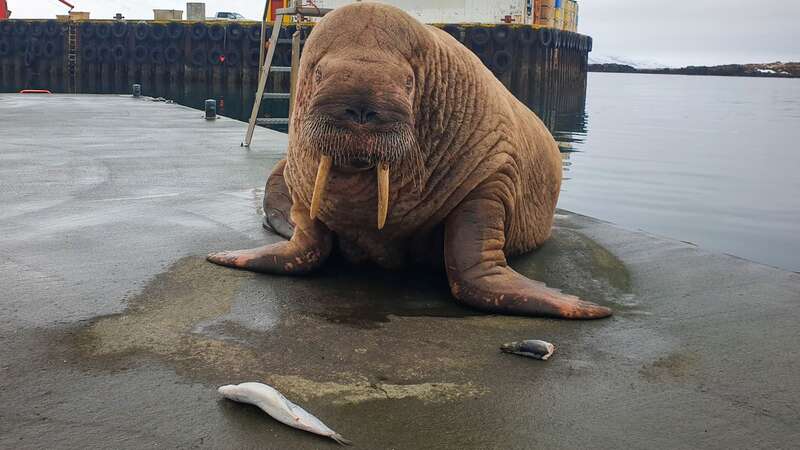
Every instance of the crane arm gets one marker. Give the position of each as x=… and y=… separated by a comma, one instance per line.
x=71, y=6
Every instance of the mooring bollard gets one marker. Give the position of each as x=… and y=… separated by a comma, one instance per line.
x=211, y=109
x=137, y=90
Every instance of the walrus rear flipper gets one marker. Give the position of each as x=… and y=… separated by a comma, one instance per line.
x=480, y=277
x=278, y=203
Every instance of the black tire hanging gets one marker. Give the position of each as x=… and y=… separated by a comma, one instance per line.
x=254, y=33
x=216, y=33
x=501, y=34
x=119, y=53
x=174, y=31
x=214, y=56
x=156, y=55
x=102, y=31
x=52, y=28
x=172, y=54
x=119, y=30
x=235, y=32
x=501, y=61
x=198, y=57
x=453, y=30
x=527, y=36
x=546, y=37
x=140, y=54
x=158, y=32
x=233, y=58
x=199, y=31
x=478, y=36
x=141, y=31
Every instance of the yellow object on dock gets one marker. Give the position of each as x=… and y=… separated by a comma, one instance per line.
x=544, y=13
x=570, y=15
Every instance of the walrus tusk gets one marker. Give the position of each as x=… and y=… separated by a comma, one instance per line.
x=383, y=194
x=319, y=184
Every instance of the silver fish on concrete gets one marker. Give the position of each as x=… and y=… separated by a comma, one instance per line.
x=531, y=348
x=279, y=407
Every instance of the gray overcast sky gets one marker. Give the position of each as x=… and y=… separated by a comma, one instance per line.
x=673, y=33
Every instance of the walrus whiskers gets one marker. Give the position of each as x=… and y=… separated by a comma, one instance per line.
x=383, y=194
x=319, y=184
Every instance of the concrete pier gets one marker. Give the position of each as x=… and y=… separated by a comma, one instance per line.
x=115, y=333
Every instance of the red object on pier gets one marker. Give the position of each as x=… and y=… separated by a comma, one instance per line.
x=35, y=91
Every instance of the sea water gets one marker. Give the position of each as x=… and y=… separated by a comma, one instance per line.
x=710, y=160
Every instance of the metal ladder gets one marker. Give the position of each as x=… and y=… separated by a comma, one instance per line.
x=266, y=67
x=71, y=61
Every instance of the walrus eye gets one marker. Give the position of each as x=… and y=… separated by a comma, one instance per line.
x=409, y=83
x=317, y=75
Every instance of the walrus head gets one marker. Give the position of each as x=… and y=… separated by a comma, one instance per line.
x=358, y=106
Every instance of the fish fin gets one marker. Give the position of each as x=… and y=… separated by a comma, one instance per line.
x=340, y=439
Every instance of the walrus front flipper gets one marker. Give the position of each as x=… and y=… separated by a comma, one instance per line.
x=480, y=277
x=308, y=249
x=278, y=203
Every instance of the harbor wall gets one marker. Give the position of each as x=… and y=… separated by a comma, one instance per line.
x=189, y=62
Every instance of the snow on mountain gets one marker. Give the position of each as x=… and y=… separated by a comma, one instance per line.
x=637, y=63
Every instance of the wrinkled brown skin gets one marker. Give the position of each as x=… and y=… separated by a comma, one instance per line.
x=491, y=178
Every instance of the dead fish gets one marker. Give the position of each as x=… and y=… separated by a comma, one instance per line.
x=531, y=348
x=279, y=407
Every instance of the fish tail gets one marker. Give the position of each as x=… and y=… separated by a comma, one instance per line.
x=340, y=439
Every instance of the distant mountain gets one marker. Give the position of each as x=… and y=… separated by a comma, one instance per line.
x=616, y=60
x=775, y=69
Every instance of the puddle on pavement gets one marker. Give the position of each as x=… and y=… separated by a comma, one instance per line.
x=348, y=333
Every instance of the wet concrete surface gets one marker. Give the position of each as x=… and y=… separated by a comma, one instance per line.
x=115, y=332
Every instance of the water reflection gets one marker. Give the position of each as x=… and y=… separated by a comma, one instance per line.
x=707, y=160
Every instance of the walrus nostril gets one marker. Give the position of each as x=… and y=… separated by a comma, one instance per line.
x=353, y=115
x=360, y=115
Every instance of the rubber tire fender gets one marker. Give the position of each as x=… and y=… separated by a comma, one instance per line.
x=235, y=32
x=501, y=61
x=6, y=48
x=104, y=53
x=172, y=54
x=199, y=31
x=233, y=57
x=214, y=55
x=119, y=53
x=254, y=33
x=141, y=31
x=253, y=56
x=20, y=29
x=50, y=50
x=158, y=32
x=501, y=34
x=157, y=55
x=546, y=37
x=198, y=56
x=52, y=29
x=102, y=31
x=216, y=32
x=478, y=36
x=140, y=54
x=455, y=31
x=174, y=31
x=527, y=36
x=119, y=30
x=89, y=54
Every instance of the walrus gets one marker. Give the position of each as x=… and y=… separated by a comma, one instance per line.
x=405, y=149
